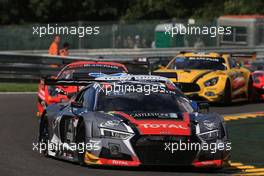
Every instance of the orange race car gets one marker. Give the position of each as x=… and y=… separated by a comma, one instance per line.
x=48, y=94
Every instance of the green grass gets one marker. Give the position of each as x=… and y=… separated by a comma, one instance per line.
x=247, y=140
x=18, y=87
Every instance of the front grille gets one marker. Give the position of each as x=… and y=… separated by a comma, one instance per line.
x=151, y=151
x=106, y=153
x=188, y=87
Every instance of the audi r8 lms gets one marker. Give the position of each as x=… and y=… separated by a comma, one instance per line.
x=210, y=77
x=84, y=70
x=131, y=126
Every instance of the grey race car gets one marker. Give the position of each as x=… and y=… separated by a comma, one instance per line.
x=133, y=123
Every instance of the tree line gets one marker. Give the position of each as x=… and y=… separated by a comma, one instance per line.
x=55, y=11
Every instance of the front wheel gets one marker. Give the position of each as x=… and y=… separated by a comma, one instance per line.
x=44, y=134
x=81, y=139
x=227, y=94
x=251, y=93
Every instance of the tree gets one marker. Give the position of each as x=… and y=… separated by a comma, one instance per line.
x=51, y=11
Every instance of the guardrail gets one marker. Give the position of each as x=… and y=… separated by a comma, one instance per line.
x=31, y=65
x=152, y=52
x=21, y=67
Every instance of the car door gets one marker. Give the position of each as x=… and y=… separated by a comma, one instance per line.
x=70, y=122
x=238, y=80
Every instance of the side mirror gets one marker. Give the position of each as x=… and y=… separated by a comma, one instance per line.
x=76, y=104
x=203, y=106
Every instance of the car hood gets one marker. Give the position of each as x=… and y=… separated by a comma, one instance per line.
x=190, y=76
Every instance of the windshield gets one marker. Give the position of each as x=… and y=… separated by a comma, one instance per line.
x=139, y=102
x=258, y=66
x=87, y=69
x=198, y=63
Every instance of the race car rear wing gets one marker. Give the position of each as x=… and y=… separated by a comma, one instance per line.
x=138, y=66
x=65, y=82
x=84, y=79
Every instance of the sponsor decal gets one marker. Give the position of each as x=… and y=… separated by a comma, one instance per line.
x=101, y=65
x=96, y=75
x=155, y=115
x=160, y=126
x=164, y=126
x=205, y=59
x=119, y=162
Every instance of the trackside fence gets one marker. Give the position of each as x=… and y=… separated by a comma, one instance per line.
x=30, y=66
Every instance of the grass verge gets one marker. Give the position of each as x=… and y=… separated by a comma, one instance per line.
x=247, y=140
x=18, y=87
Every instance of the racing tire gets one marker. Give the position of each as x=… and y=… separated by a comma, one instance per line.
x=227, y=94
x=80, y=138
x=44, y=133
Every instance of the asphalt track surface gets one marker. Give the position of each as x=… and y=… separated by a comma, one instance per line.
x=19, y=128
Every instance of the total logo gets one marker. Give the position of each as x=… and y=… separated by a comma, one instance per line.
x=164, y=126
x=119, y=162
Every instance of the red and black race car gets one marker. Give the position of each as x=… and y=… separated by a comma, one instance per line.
x=257, y=72
x=258, y=77
x=48, y=94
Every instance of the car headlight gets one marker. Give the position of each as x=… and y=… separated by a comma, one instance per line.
x=213, y=134
x=109, y=133
x=209, y=125
x=211, y=82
